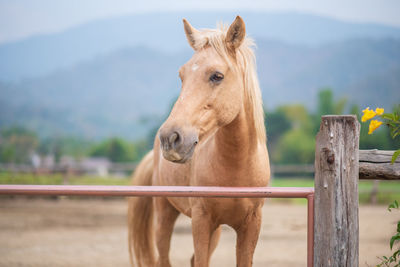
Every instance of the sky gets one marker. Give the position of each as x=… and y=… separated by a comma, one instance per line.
x=20, y=19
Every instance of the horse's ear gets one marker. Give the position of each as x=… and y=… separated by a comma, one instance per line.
x=235, y=34
x=192, y=34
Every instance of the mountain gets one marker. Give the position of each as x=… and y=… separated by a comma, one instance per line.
x=110, y=95
x=366, y=71
x=126, y=92
x=43, y=54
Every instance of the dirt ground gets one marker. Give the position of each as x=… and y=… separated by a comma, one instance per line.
x=65, y=232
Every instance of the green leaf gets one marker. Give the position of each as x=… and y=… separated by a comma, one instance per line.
x=398, y=226
x=395, y=155
x=393, y=239
x=385, y=258
x=395, y=255
x=393, y=205
x=396, y=129
x=388, y=116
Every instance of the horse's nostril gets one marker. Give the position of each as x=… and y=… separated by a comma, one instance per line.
x=175, y=139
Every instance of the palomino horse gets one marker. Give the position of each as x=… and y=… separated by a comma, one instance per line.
x=214, y=136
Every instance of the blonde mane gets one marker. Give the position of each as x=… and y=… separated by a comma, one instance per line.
x=245, y=65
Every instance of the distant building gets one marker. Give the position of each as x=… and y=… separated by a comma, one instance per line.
x=95, y=166
x=48, y=161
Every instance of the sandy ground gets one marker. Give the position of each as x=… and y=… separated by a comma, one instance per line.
x=64, y=232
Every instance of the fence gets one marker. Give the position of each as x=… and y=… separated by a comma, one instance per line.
x=332, y=204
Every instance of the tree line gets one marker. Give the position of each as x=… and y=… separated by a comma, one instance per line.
x=291, y=131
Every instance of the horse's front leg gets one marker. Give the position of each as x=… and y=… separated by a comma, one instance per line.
x=247, y=237
x=165, y=220
x=202, y=229
x=212, y=245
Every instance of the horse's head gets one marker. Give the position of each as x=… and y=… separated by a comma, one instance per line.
x=212, y=91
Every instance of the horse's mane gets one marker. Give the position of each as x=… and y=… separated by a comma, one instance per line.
x=245, y=65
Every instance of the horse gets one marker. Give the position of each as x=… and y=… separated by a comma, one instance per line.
x=214, y=136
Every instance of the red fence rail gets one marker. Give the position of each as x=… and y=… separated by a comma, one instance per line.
x=176, y=191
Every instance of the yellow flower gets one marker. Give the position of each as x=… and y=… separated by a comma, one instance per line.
x=374, y=125
x=379, y=111
x=368, y=114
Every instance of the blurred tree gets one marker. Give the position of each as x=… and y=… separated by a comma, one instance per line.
x=299, y=117
x=62, y=145
x=116, y=150
x=295, y=147
x=325, y=102
x=277, y=124
x=355, y=110
x=290, y=128
x=326, y=105
x=51, y=146
x=17, y=145
x=340, y=106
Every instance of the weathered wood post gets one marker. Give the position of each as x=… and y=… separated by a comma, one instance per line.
x=336, y=192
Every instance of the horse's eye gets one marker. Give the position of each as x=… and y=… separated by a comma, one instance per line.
x=216, y=77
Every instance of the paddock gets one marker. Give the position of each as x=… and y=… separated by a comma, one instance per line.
x=40, y=232
x=333, y=222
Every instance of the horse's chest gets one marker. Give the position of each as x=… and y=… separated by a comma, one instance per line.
x=231, y=211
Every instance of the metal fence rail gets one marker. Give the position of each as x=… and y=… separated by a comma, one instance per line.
x=176, y=191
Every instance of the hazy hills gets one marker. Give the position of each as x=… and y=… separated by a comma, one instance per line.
x=125, y=92
x=40, y=55
x=110, y=95
x=118, y=76
x=365, y=71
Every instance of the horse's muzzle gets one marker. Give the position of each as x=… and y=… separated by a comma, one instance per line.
x=177, y=145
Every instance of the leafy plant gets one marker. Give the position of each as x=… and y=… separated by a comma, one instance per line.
x=392, y=120
x=395, y=257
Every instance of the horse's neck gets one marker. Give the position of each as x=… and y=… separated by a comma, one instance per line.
x=237, y=142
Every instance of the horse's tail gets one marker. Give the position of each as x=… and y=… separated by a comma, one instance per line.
x=140, y=218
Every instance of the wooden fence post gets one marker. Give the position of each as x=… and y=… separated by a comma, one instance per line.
x=336, y=192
